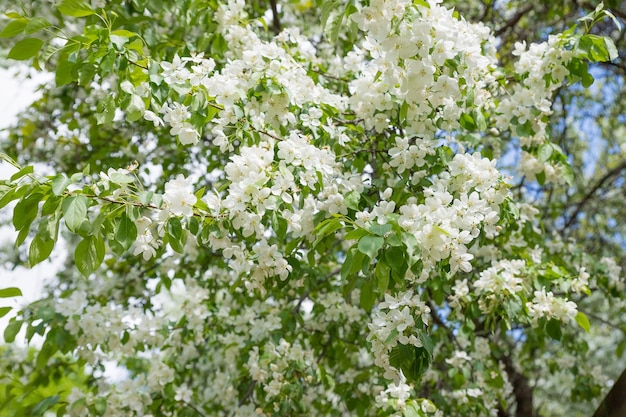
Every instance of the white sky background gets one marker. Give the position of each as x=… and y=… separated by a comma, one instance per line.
x=17, y=91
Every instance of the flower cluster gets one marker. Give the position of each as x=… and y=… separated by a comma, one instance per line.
x=393, y=322
x=546, y=305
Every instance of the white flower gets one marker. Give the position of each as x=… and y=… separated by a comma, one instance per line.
x=179, y=196
x=146, y=245
x=183, y=393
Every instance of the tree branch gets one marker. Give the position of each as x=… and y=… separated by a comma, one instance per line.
x=581, y=204
x=521, y=389
x=513, y=20
x=275, y=18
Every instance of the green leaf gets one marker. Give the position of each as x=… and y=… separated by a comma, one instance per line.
x=105, y=110
x=382, y=273
x=467, y=122
x=412, y=409
x=44, y=405
x=25, y=49
x=404, y=108
x=145, y=197
x=545, y=152
x=587, y=80
x=65, y=72
x=568, y=173
x=4, y=311
x=89, y=254
x=40, y=249
x=611, y=48
x=352, y=200
x=356, y=234
x=124, y=33
x=583, y=321
x=381, y=229
x=327, y=9
x=126, y=232
x=479, y=119
x=370, y=245
x=36, y=24
x=14, y=27
x=367, y=297
x=47, y=350
x=413, y=361
x=75, y=8
x=524, y=129
x=541, y=177
x=60, y=183
x=175, y=234
x=26, y=210
x=333, y=28
x=553, y=328
x=347, y=263
x=10, y=292
x=75, y=211
x=325, y=228
x=12, y=330
x=427, y=342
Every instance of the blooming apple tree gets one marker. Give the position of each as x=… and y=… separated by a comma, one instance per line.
x=297, y=209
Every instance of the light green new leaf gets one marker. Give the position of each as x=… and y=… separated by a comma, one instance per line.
x=22, y=172
x=583, y=321
x=14, y=27
x=75, y=8
x=10, y=292
x=412, y=409
x=75, y=211
x=25, y=49
x=124, y=33
x=36, y=24
x=4, y=311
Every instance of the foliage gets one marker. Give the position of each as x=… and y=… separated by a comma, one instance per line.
x=310, y=207
x=32, y=390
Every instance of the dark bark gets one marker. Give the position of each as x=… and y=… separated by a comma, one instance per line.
x=614, y=405
x=276, y=28
x=521, y=389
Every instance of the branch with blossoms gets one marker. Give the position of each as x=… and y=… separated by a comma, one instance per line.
x=359, y=244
